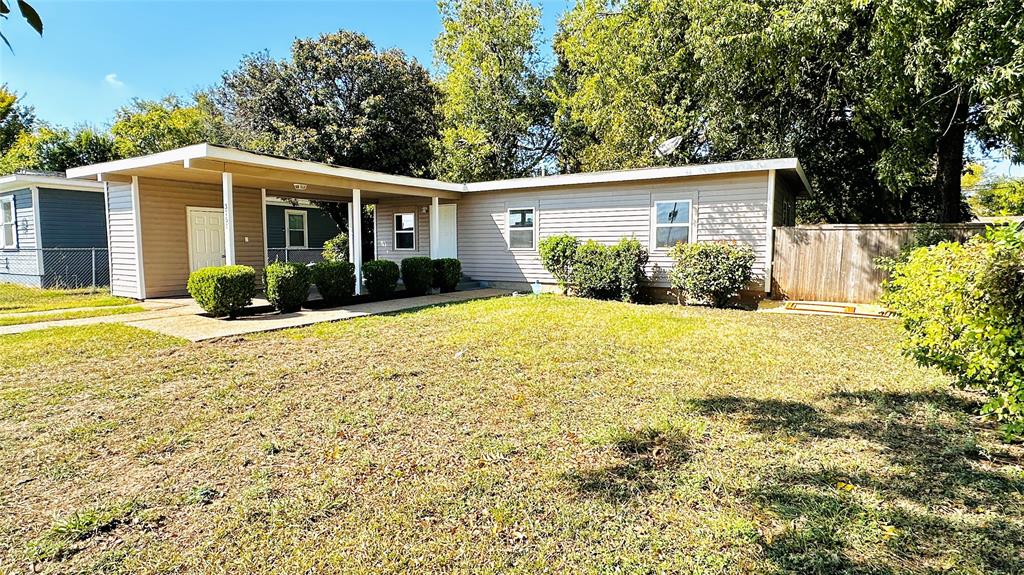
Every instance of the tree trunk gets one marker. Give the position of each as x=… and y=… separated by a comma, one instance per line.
x=951, y=165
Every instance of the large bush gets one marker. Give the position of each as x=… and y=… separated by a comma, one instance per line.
x=380, y=277
x=595, y=272
x=335, y=280
x=557, y=254
x=711, y=272
x=962, y=306
x=925, y=235
x=223, y=290
x=447, y=274
x=287, y=285
x=417, y=275
x=336, y=249
x=630, y=260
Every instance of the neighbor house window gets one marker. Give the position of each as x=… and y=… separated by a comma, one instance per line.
x=521, y=228
x=671, y=223
x=295, y=229
x=405, y=231
x=8, y=229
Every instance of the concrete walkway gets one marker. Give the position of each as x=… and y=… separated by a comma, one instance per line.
x=181, y=317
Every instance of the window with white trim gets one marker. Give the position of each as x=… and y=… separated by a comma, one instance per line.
x=671, y=223
x=296, y=230
x=8, y=225
x=521, y=228
x=405, y=231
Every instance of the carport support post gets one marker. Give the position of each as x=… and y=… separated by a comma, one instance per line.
x=229, y=219
x=355, y=237
x=435, y=225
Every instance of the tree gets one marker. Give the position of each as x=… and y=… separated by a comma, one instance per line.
x=498, y=118
x=27, y=12
x=338, y=100
x=57, y=149
x=15, y=118
x=999, y=197
x=150, y=126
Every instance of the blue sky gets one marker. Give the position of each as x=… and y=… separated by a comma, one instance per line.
x=97, y=55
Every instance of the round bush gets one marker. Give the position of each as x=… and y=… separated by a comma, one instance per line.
x=558, y=254
x=596, y=272
x=287, y=285
x=335, y=280
x=447, y=274
x=630, y=259
x=711, y=272
x=380, y=277
x=336, y=249
x=417, y=275
x=223, y=290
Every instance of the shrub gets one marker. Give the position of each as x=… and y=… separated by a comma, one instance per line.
x=595, y=272
x=447, y=273
x=380, y=276
x=631, y=257
x=557, y=254
x=335, y=280
x=962, y=307
x=417, y=275
x=287, y=285
x=336, y=249
x=711, y=272
x=925, y=235
x=223, y=290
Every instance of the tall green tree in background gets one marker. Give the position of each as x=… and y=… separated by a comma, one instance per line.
x=57, y=149
x=498, y=118
x=150, y=126
x=15, y=118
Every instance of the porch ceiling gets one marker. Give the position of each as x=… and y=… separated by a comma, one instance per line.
x=205, y=164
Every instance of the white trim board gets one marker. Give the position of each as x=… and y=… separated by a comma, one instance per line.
x=22, y=181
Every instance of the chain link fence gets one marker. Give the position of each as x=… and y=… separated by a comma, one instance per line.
x=56, y=267
x=296, y=255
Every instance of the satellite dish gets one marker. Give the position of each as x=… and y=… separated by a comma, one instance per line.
x=667, y=147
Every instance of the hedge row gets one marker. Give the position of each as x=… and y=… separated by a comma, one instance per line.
x=418, y=274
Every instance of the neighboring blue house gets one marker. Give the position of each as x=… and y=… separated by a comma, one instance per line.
x=52, y=231
x=300, y=227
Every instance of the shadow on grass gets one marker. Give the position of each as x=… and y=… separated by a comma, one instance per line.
x=935, y=504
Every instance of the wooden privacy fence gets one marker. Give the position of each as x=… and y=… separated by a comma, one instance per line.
x=835, y=262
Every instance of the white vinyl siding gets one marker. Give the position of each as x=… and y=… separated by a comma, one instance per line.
x=124, y=250
x=385, y=212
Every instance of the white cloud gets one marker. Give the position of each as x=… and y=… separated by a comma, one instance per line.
x=113, y=81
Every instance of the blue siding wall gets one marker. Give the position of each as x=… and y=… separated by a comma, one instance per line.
x=21, y=265
x=72, y=219
x=321, y=226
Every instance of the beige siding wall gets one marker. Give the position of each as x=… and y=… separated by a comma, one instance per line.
x=164, y=231
x=385, y=240
x=731, y=208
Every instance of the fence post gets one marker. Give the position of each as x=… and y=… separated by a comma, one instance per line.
x=94, y=269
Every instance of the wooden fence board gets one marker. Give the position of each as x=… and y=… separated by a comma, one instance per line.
x=835, y=262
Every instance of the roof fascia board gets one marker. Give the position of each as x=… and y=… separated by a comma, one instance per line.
x=168, y=157
x=20, y=181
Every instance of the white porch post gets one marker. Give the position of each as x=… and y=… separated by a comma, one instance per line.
x=435, y=225
x=769, y=245
x=229, y=219
x=351, y=254
x=355, y=239
x=263, y=218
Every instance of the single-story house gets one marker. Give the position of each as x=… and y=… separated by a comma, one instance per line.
x=52, y=231
x=179, y=210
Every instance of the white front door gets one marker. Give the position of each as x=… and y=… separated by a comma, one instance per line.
x=205, y=238
x=447, y=240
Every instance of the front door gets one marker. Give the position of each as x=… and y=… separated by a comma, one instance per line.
x=447, y=241
x=205, y=238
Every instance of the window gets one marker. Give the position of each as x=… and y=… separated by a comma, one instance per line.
x=405, y=231
x=295, y=229
x=521, y=228
x=671, y=223
x=8, y=228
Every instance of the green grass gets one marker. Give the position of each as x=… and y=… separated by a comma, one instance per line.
x=60, y=315
x=516, y=435
x=18, y=299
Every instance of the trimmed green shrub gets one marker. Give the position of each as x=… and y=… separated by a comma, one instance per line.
x=335, y=280
x=447, y=274
x=962, y=306
x=336, y=249
x=287, y=285
x=595, y=272
x=631, y=258
x=380, y=277
x=557, y=254
x=417, y=275
x=711, y=272
x=223, y=290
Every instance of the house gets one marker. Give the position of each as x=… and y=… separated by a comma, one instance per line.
x=176, y=211
x=297, y=229
x=52, y=231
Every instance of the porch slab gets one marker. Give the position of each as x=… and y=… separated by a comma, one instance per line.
x=197, y=327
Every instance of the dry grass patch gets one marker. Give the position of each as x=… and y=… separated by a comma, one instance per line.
x=20, y=299
x=514, y=435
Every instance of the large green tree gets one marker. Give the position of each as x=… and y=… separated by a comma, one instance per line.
x=15, y=118
x=150, y=126
x=497, y=114
x=57, y=149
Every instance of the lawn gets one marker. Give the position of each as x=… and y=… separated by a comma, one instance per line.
x=22, y=299
x=18, y=319
x=517, y=435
